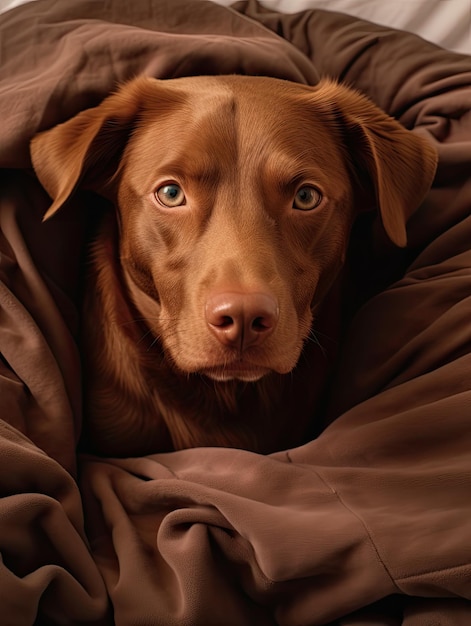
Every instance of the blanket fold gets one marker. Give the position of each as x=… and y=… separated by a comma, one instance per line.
x=198, y=514
x=367, y=524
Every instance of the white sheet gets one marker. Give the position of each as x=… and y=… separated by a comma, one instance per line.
x=445, y=22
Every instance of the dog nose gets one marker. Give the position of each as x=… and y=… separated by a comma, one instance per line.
x=241, y=320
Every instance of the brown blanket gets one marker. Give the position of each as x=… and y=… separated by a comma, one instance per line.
x=370, y=523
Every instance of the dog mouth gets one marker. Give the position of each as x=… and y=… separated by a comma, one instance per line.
x=237, y=370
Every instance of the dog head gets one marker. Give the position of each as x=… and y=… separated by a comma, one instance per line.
x=235, y=199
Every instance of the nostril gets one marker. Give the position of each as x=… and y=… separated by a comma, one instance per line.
x=224, y=322
x=258, y=324
x=261, y=324
x=241, y=319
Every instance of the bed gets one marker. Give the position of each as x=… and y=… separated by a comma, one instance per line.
x=444, y=22
x=369, y=523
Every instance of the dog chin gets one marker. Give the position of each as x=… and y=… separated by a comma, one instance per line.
x=225, y=374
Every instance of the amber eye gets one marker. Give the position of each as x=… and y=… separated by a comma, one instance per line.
x=307, y=198
x=170, y=195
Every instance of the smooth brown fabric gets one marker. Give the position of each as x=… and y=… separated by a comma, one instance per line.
x=369, y=523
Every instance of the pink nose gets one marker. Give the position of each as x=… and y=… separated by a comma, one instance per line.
x=241, y=320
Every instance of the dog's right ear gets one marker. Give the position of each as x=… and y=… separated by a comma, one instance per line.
x=85, y=151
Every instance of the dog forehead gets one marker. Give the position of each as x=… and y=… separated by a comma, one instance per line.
x=197, y=134
x=265, y=114
x=195, y=99
x=252, y=103
x=222, y=123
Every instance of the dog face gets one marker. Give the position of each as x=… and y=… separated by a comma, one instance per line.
x=235, y=199
x=231, y=226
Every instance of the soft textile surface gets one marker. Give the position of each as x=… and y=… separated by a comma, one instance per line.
x=444, y=22
x=370, y=523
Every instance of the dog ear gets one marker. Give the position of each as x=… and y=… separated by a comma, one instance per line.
x=400, y=163
x=86, y=149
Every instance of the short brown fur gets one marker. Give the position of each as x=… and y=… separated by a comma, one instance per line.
x=162, y=369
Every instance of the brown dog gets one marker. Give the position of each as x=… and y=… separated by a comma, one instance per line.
x=235, y=197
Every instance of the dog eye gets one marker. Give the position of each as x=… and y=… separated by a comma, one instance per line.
x=170, y=195
x=307, y=198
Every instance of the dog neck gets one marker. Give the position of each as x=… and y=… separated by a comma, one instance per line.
x=160, y=408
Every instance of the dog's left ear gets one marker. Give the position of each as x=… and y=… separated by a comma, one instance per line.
x=398, y=163
x=86, y=149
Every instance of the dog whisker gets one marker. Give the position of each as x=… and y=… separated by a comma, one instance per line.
x=155, y=340
x=324, y=336
x=313, y=338
x=149, y=332
x=137, y=320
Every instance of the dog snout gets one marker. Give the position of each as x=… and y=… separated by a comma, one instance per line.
x=241, y=320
